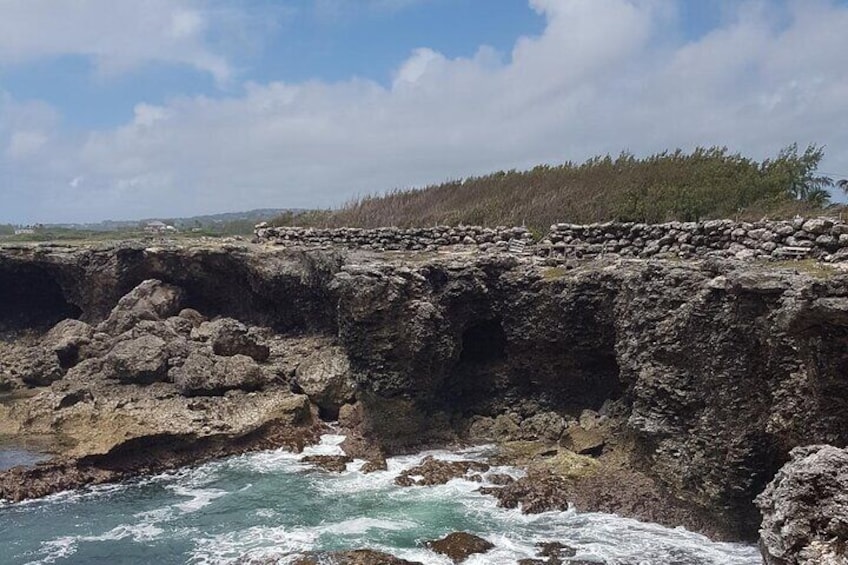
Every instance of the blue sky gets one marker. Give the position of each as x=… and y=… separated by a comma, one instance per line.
x=181, y=107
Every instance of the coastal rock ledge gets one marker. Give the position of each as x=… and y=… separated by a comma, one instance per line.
x=667, y=390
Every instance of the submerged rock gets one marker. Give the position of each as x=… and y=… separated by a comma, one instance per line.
x=356, y=557
x=459, y=546
x=434, y=471
x=331, y=463
x=538, y=492
x=805, y=509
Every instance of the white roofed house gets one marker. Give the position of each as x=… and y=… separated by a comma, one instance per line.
x=159, y=227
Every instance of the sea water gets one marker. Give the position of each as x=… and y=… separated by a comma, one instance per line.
x=269, y=504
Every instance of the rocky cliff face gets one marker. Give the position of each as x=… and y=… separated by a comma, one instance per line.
x=707, y=373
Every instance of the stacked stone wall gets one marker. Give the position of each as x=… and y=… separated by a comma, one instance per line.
x=397, y=239
x=820, y=238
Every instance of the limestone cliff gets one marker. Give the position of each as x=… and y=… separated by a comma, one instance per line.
x=709, y=372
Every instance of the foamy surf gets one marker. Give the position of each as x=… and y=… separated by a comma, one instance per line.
x=269, y=504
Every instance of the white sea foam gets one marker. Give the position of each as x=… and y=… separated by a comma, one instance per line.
x=406, y=513
x=200, y=498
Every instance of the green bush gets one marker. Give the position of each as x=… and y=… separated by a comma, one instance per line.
x=706, y=183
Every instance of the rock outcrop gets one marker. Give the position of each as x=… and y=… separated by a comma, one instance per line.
x=459, y=546
x=805, y=509
x=698, y=377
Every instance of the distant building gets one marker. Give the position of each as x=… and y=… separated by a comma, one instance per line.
x=24, y=231
x=159, y=227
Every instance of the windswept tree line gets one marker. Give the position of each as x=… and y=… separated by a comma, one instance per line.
x=706, y=183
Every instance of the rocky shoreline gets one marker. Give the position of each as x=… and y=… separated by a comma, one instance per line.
x=668, y=391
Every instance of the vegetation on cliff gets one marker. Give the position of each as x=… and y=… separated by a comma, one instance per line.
x=706, y=183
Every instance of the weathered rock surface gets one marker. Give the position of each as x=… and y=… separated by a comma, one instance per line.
x=459, y=546
x=538, y=492
x=805, y=509
x=141, y=360
x=230, y=337
x=356, y=557
x=203, y=374
x=711, y=371
x=326, y=379
x=331, y=463
x=434, y=471
x=150, y=300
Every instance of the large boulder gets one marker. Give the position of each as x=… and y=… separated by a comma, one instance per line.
x=326, y=379
x=230, y=337
x=805, y=509
x=67, y=339
x=204, y=374
x=141, y=360
x=150, y=300
x=459, y=546
x=34, y=366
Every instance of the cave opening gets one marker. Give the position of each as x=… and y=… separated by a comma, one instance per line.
x=31, y=298
x=483, y=343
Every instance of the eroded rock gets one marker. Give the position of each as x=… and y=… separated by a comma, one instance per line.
x=434, y=471
x=141, y=360
x=230, y=337
x=206, y=374
x=150, y=300
x=325, y=378
x=539, y=491
x=459, y=546
x=805, y=509
x=356, y=557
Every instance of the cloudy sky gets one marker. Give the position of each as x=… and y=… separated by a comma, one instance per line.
x=146, y=108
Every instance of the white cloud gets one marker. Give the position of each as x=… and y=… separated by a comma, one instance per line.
x=602, y=77
x=115, y=34
x=27, y=143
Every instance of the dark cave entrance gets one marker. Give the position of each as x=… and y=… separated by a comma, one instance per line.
x=30, y=297
x=483, y=343
x=492, y=374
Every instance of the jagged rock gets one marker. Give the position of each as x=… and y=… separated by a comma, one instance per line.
x=584, y=441
x=459, y=546
x=230, y=337
x=193, y=316
x=205, y=374
x=438, y=472
x=35, y=366
x=141, y=360
x=356, y=557
x=539, y=491
x=805, y=509
x=553, y=553
x=66, y=339
x=331, y=463
x=150, y=300
x=547, y=425
x=325, y=378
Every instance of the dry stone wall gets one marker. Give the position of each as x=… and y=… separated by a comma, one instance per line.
x=820, y=238
x=397, y=239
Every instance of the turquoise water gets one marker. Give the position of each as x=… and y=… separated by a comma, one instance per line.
x=268, y=504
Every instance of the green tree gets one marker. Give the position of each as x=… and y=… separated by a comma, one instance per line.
x=804, y=182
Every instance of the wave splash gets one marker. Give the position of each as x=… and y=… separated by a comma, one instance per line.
x=269, y=505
